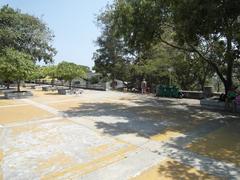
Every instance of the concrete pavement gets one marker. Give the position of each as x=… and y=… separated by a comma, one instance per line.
x=107, y=135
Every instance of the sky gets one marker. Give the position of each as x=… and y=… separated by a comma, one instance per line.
x=72, y=22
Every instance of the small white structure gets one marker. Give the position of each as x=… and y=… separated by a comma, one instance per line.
x=118, y=84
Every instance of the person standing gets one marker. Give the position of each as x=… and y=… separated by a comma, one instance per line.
x=143, y=86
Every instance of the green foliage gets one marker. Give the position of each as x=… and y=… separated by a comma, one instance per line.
x=25, y=33
x=50, y=71
x=94, y=80
x=109, y=58
x=68, y=71
x=38, y=73
x=207, y=29
x=15, y=65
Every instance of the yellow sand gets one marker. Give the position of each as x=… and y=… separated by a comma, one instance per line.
x=60, y=159
x=223, y=144
x=170, y=169
x=91, y=166
x=49, y=96
x=18, y=130
x=99, y=149
x=6, y=102
x=22, y=113
x=166, y=136
x=1, y=158
x=184, y=119
x=68, y=105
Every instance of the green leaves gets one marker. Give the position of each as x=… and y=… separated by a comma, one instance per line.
x=68, y=71
x=25, y=33
x=206, y=29
x=15, y=65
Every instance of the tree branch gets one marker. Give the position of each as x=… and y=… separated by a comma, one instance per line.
x=174, y=46
x=193, y=49
x=210, y=62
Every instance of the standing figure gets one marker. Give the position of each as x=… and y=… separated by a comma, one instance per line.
x=143, y=86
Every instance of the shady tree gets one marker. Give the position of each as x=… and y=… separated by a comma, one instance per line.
x=207, y=29
x=23, y=38
x=15, y=66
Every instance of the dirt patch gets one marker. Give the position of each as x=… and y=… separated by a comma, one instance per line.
x=166, y=136
x=223, y=144
x=67, y=105
x=170, y=169
x=22, y=113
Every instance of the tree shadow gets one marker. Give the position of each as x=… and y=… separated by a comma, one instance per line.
x=145, y=118
x=175, y=170
x=223, y=144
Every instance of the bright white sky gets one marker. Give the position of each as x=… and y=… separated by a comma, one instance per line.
x=73, y=23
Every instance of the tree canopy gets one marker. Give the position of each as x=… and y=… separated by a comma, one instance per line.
x=25, y=33
x=68, y=71
x=205, y=30
x=15, y=65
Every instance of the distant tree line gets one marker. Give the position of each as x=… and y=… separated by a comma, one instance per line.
x=24, y=41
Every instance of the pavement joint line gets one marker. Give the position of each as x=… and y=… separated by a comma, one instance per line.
x=14, y=105
x=42, y=106
x=61, y=101
x=29, y=122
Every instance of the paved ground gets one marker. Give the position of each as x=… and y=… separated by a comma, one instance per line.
x=111, y=135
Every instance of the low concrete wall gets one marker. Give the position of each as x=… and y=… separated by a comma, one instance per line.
x=49, y=88
x=100, y=86
x=214, y=103
x=64, y=91
x=17, y=95
x=193, y=94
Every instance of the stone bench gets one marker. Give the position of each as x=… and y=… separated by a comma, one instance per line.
x=193, y=94
x=49, y=88
x=70, y=91
x=17, y=95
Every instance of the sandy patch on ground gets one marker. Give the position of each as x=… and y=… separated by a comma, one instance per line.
x=22, y=113
x=223, y=144
x=8, y=102
x=69, y=105
x=48, y=96
x=170, y=169
x=166, y=136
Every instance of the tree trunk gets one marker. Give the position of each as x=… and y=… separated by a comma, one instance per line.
x=113, y=84
x=18, y=85
x=229, y=82
x=227, y=85
x=52, y=82
x=8, y=84
x=70, y=84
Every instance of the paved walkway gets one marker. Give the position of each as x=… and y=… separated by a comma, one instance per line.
x=105, y=135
